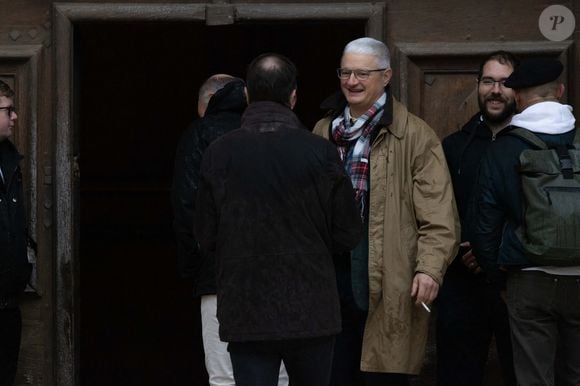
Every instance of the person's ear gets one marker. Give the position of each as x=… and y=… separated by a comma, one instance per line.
x=518, y=100
x=560, y=91
x=387, y=75
x=293, y=99
x=201, y=107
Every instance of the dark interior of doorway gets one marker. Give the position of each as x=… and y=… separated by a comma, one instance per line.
x=135, y=93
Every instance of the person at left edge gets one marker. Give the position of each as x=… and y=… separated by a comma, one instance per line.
x=14, y=266
x=274, y=203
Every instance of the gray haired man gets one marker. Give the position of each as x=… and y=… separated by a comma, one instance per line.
x=398, y=170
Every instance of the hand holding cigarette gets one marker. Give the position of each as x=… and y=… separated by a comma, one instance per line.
x=424, y=290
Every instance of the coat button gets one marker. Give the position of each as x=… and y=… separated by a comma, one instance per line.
x=13, y=199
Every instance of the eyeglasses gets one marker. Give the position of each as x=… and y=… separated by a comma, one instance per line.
x=345, y=74
x=9, y=110
x=490, y=82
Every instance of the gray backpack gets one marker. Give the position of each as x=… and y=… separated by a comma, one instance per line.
x=550, y=177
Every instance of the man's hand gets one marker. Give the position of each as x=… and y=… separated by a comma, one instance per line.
x=424, y=289
x=468, y=259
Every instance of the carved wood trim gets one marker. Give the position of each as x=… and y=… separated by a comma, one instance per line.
x=407, y=52
x=65, y=295
x=87, y=12
x=373, y=13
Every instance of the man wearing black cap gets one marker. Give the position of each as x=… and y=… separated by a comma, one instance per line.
x=543, y=301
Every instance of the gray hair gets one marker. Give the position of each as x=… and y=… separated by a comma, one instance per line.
x=212, y=85
x=370, y=46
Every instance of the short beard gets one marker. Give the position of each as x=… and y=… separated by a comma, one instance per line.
x=507, y=112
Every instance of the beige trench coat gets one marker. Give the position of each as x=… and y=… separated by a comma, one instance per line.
x=413, y=227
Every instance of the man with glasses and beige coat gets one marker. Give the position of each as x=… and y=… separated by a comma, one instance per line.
x=402, y=184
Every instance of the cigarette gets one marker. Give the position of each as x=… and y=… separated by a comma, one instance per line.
x=425, y=307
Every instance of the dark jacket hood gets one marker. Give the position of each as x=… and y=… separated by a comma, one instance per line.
x=230, y=98
x=269, y=116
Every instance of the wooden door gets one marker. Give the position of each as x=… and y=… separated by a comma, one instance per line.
x=136, y=88
x=135, y=93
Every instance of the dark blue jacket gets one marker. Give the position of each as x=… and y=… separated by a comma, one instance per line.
x=14, y=267
x=223, y=114
x=499, y=206
x=463, y=152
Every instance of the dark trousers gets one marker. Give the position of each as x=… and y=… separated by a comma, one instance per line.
x=10, y=331
x=469, y=313
x=307, y=361
x=347, y=350
x=545, y=319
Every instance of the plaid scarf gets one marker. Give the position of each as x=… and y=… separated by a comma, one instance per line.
x=353, y=143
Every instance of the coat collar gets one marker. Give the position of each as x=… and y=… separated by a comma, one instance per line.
x=269, y=116
x=336, y=103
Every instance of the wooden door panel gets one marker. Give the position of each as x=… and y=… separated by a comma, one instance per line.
x=437, y=80
x=449, y=100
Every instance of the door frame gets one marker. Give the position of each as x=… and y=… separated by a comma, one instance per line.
x=65, y=17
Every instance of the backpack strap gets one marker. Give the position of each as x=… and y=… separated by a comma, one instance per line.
x=566, y=163
x=528, y=137
x=566, y=166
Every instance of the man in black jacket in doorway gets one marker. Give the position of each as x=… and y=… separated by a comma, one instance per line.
x=221, y=102
x=274, y=203
x=14, y=266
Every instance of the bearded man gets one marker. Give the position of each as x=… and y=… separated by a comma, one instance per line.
x=470, y=309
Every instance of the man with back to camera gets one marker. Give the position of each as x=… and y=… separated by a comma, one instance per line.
x=276, y=204
x=543, y=301
x=411, y=231
x=470, y=310
x=221, y=102
x=14, y=266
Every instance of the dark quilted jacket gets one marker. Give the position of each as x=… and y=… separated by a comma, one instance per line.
x=223, y=114
x=276, y=204
x=499, y=202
